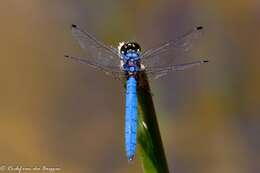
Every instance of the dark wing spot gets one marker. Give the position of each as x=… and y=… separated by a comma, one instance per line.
x=199, y=27
x=74, y=26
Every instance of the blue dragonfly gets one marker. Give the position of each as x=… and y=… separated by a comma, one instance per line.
x=127, y=61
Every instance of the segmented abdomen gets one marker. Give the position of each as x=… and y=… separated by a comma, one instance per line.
x=130, y=117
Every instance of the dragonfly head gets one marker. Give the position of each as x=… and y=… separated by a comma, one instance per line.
x=130, y=50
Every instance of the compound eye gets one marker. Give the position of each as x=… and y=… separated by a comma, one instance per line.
x=130, y=47
x=137, y=47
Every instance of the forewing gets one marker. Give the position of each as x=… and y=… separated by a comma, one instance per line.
x=165, y=54
x=96, y=51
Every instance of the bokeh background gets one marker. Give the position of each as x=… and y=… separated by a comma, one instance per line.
x=58, y=113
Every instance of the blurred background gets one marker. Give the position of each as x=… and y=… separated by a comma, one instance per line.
x=58, y=113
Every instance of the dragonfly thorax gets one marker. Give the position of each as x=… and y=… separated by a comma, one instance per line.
x=131, y=64
x=130, y=57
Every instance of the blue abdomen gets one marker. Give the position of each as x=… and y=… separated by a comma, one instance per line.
x=130, y=117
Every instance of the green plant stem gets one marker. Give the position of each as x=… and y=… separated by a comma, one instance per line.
x=150, y=147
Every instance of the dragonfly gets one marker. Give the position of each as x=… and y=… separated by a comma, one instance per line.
x=127, y=61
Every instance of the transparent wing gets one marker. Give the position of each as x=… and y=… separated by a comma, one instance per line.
x=159, y=72
x=165, y=54
x=109, y=70
x=99, y=56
